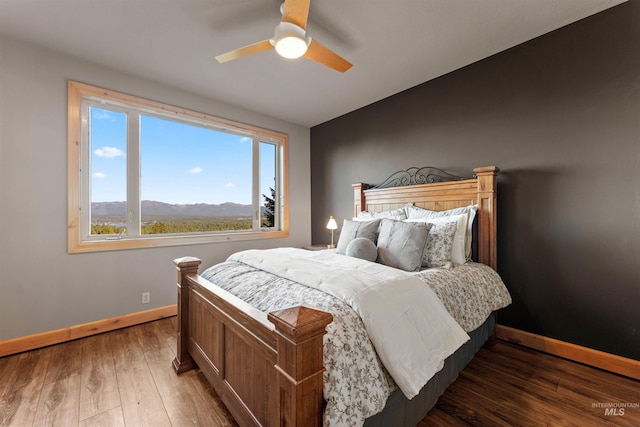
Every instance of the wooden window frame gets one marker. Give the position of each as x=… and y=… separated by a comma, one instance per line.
x=77, y=241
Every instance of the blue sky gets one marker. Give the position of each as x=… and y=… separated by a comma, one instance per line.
x=180, y=163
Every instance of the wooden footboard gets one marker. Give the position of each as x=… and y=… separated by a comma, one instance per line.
x=267, y=369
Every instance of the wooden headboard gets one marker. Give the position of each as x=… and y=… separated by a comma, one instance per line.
x=439, y=196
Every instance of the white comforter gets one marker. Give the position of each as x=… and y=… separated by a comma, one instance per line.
x=394, y=307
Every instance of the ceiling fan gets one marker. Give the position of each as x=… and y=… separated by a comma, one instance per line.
x=290, y=40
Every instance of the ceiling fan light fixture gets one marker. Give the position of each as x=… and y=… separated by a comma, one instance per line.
x=290, y=40
x=291, y=47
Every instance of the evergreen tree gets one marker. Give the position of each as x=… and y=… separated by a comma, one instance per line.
x=269, y=208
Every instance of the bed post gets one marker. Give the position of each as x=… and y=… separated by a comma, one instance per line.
x=487, y=215
x=185, y=266
x=299, y=366
x=487, y=224
x=359, y=200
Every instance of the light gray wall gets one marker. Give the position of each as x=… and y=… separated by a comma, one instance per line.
x=560, y=115
x=41, y=286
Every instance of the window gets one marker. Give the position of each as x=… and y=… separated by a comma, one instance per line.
x=145, y=174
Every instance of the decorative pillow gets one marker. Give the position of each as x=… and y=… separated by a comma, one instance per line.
x=437, y=253
x=457, y=254
x=352, y=229
x=398, y=214
x=401, y=244
x=416, y=212
x=362, y=248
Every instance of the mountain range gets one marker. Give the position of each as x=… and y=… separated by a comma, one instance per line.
x=150, y=208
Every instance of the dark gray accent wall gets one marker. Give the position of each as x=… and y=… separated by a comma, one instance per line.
x=560, y=115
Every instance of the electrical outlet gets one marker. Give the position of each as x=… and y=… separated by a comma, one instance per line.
x=146, y=297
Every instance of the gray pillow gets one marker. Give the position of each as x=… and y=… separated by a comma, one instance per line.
x=362, y=248
x=401, y=244
x=352, y=229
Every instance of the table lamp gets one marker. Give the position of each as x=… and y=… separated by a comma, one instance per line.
x=332, y=225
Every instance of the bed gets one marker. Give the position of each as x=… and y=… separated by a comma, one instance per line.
x=268, y=367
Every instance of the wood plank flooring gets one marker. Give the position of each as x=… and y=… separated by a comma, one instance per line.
x=120, y=378
x=125, y=378
x=512, y=385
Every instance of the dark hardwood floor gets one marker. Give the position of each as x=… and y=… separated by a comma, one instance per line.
x=511, y=385
x=125, y=378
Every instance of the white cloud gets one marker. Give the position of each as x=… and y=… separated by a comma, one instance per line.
x=108, y=152
x=99, y=175
x=229, y=185
x=195, y=170
x=103, y=115
x=245, y=139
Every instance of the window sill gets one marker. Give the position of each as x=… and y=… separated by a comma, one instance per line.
x=161, y=241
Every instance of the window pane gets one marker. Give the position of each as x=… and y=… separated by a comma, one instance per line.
x=268, y=184
x=193, y=179
x=108, y=171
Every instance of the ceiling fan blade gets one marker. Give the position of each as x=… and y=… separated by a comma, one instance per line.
x=296, y=12
x=245, y=51
x=325, y=56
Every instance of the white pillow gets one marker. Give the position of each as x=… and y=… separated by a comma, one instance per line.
x=457, y=255
x=414, y=212
x=397, y=214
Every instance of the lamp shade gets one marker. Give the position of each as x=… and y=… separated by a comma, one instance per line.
x=332, y=225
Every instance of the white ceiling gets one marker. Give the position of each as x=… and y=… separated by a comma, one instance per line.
x=393, y=44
